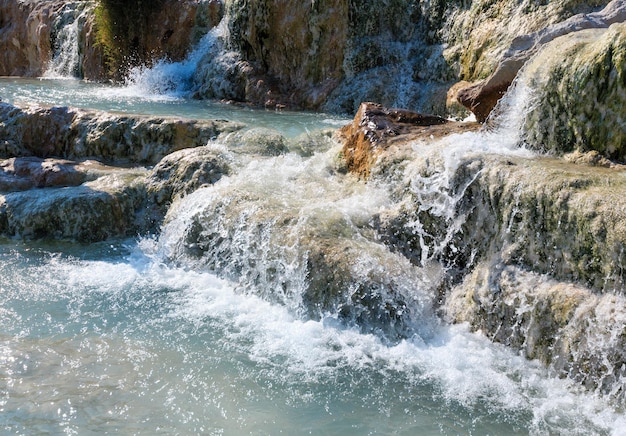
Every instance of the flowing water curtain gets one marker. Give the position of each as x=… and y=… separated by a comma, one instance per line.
x=66, y=40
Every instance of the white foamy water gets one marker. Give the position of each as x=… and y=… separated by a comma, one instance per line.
x=66, y=57
x=166, y=80
x=141, y=337
x=125, y=344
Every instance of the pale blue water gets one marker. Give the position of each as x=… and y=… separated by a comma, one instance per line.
x=110, y=338
x=104, y=338
x=80, y=94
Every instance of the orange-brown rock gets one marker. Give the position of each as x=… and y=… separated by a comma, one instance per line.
x=25, y=28
x=453, y=106
x=482, y=97
x=375, y=128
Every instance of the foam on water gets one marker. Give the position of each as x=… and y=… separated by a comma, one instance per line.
x=137, y=338
x=130, y=344
x=166, y=80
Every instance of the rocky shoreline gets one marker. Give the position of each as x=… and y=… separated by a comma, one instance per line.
x=529, y=249
x=508, y=222
x=318, y=57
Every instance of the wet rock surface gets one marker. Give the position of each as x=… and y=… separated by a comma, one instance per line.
x=257, y=141
x=49, y=189
x=20, y=174
x=533, y=250
x=375, y=128
x=292, y=244
x=580, y=98
x=323, y=55
x=75, y=134
x=564, y=325
x=29, y=28
x=25, y=28
x=182, y=172
x=482, y=97
x=94, y=211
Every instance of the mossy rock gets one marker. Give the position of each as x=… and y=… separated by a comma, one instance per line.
x=582, y=104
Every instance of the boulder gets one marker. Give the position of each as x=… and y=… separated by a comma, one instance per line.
x=581, y=99
x=20, y=174
x=77, y=134
x=23, y=173
x=259, y=141
x=182, y=172
x=107, y=207
x=375, y=128
x=482, y=97
x=309, y=143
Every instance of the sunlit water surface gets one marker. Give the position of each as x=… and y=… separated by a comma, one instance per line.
x=104, y=338
x=108, y=338
x=138, y=100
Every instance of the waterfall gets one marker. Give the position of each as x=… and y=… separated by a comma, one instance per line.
x=208, y=62
x=66, y=57
x=293, y=232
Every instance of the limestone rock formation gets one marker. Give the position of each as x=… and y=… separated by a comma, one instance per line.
x=76, y=134
x=482, y=97
x=135, y=33
x=29, y=29
x=257, y=141
x=23, y=173
x=84, y=200
x=319, y=55
x=549, y=216
x=291, y=243
x=561, y=324
x=182, y=172
x=406, y=54
x=25, y=28
x=94, y=211
x=533, y=250
x=296, y=49
x=581, y=99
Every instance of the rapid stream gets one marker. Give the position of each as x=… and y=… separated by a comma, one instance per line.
x=203, y=328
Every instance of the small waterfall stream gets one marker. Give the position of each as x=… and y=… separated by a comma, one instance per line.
x=66, y=56
x=287, y=296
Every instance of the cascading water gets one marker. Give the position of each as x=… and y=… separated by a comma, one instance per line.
x=66, y=56
x=276, y=300
x=207, y=65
